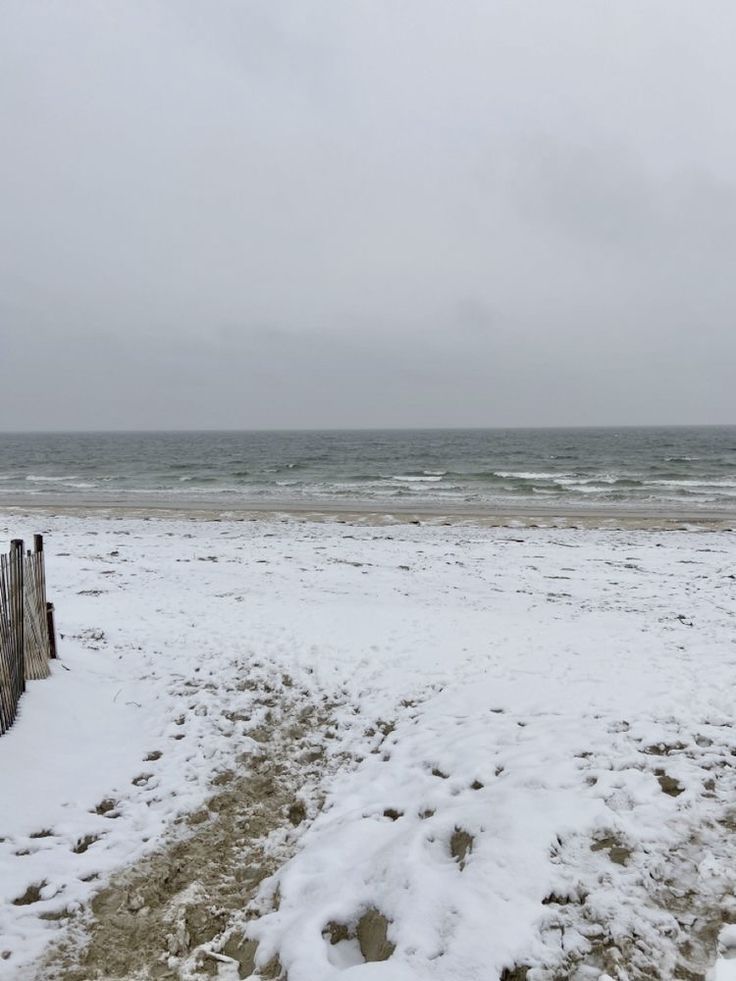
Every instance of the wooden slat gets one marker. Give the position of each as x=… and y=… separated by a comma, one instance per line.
x=17, y=614
x=12, y=666
x=8, y=682
x=34, y=607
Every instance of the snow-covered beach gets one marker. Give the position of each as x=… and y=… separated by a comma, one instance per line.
x=502, y=752
x=367, y=491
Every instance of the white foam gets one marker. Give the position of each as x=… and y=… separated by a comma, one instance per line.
x=34, y=478
x=530, y=475
x=412, y=478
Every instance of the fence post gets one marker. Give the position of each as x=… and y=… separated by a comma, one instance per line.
x=8, y=674
x=17, y=612
x=43, y=603
x=51, y=629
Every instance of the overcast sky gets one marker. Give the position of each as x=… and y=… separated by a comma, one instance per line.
x=367, y=213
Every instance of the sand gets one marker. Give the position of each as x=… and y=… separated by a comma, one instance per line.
x=193, y=897
x=368, y=513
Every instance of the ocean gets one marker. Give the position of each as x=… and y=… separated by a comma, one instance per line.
x=660, y=469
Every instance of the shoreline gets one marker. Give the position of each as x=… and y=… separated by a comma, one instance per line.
x=371, y=513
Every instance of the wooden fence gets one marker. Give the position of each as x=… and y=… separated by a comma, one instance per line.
x=27, y=637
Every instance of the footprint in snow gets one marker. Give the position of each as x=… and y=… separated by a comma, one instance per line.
x=31, y=895
x=668, y=784
x=461, y=844
x=106, y=808
x=83, y=843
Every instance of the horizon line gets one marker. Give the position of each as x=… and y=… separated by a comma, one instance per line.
x=358, y=429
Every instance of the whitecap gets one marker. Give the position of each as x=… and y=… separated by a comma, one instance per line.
x=413, y=477
x=41, y=479
x=524, y=475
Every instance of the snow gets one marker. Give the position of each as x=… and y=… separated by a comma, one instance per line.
x=725, y=970
x=564, y=698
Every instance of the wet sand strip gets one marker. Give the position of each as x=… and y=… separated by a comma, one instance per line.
x=370, y=513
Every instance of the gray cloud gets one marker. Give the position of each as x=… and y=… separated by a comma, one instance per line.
x=366, y=214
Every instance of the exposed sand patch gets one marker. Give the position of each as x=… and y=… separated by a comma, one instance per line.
x=461, y=844
x=184, y=910
x=372, y=932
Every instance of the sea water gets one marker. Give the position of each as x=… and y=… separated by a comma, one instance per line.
x=691, y=468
